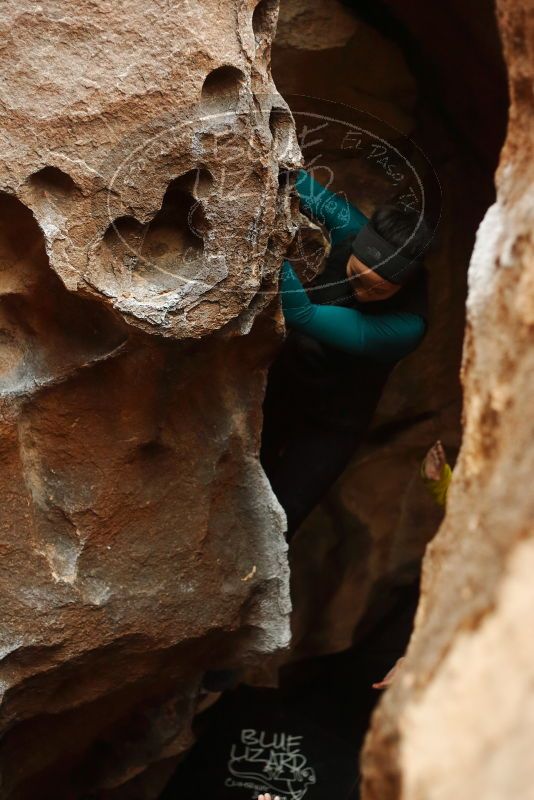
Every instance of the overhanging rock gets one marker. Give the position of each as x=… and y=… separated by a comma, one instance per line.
x=143, y=224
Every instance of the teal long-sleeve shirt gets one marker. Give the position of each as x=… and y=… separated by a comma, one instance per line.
x=383, y=337
x=334, y=210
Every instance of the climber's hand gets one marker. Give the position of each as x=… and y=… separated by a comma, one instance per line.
x=267, y=797
x=383, y=684
x=434, y=462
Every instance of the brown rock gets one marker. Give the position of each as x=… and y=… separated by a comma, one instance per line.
x=140, y=542
x=142, y=145
x=460, y=719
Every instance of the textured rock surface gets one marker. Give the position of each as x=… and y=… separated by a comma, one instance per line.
x=154, y=129
x=140, y=542
x=376, y=522
x=460, y=719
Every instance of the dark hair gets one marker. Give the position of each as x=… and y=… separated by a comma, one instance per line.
x=396, y=226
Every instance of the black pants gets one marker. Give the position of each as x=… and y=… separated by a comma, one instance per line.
x=317, y=408
x=303, y=467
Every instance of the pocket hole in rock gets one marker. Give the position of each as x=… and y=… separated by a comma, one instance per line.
x=52, y=180
x=167, y=251
x=282, y=130
x=220, y=91
x=198, y=181
x=286, y=178
x=264, y=18
x=280, y=123
x=46, y=332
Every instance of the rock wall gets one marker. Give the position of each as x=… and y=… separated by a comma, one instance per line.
x=142, y=229
x=459, y=721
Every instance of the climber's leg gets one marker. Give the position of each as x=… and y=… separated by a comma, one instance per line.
x=281, y=413
x=311, y=461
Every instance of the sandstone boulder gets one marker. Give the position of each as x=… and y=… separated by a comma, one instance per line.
x=142, y=228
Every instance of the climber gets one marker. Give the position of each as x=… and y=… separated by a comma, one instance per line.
x=323, y=388
x=437, y=475
x=347, y=330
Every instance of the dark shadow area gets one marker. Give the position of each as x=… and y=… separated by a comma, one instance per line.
x=302, y=739
x=53, y=180
x=464, y=85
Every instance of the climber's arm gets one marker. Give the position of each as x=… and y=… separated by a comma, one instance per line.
x=333, y=210
x=385, y=337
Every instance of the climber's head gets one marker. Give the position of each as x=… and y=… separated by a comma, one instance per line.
x=386, y=253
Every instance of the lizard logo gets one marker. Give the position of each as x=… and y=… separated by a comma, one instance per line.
x=274, y=761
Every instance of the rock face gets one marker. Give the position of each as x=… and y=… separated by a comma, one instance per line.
x=142, y=229
x=459, y=721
